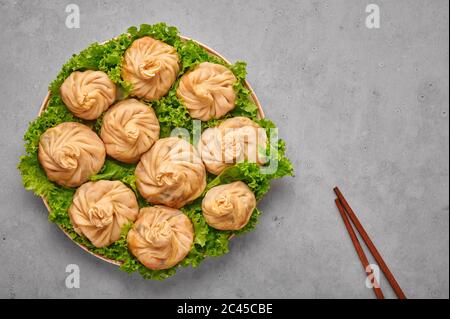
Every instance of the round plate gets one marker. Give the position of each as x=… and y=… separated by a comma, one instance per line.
x=211, y=51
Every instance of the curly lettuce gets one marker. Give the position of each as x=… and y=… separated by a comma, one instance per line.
x=171, y=114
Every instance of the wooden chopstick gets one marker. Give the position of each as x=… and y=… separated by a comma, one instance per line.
x=373, y=250
x=359, y=250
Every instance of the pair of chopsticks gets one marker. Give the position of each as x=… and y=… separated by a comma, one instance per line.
x=348, y=215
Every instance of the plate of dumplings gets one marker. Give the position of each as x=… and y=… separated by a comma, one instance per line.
x=151, y=151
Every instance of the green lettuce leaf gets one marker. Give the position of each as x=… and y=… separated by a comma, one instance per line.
x=171, y=113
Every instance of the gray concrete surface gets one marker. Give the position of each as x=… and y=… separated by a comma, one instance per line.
x=363, y=109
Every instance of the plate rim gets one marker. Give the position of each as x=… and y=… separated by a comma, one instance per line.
x=44, y=106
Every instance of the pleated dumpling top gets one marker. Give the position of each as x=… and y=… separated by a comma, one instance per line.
x=151, y=67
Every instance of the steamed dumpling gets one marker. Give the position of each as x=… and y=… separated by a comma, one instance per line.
x=171, y=173
x=100, y=209
x=161, y=237
x=129, y=129
x=70, y=153
x=88, y=94
x=207, y=91
x=151, y=66
x=229, y=206
x=235, y=140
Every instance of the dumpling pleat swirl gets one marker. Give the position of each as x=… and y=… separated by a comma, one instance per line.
x=171, y=173
x=161, y=237
x=229, y=206
x=233, y=141
x=100, y=209
x=151, y=67
x=88, y=94
x=129, y=129
x=70, y=153
x=207, y=91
